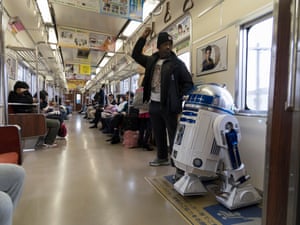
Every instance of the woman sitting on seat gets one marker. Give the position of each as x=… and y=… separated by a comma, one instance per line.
x=117, y=119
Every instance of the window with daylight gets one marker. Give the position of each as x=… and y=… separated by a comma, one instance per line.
x=256, y=42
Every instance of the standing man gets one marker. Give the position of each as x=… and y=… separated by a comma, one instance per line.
x=102, y=97
x=102, y=102
x=165, y=83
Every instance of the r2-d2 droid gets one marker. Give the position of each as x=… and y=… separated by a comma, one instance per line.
x=207, y=139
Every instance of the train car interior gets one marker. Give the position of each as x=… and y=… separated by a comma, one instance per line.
x=243, y=60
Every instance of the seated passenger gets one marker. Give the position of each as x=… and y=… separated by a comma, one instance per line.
x=53, y=120
x=11, y=186
x=118, y=117
x=109, y=108
x=21, y=95
x=91, y=110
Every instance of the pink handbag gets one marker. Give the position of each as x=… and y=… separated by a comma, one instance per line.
x=130, y=138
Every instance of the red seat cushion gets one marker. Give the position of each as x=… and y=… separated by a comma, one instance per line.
x=10, y=157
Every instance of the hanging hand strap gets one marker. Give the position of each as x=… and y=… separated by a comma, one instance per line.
x=187, y=5
x=167, y=17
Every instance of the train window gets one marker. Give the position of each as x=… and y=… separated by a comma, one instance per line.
x=50, y=92
x=20, y=72
x=124, y=86
x=78, y=98
x=256, y=39
x=134, y=82
x=33, y=83
x=41, y=83
x=129, y=84
x=185, y=57
x=28, y=79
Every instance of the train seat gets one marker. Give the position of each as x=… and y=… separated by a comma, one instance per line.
x=10, y=144
x=33, y=126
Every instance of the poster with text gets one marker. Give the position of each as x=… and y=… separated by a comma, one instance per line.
x=131, y=9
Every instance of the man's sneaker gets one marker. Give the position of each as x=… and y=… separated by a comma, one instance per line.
x=159, y=162
x=54, y=145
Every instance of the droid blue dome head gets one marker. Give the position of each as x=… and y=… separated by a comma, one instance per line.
x=213, y=97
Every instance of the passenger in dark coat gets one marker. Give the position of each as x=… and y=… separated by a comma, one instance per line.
x=21, y=95
x=165, y=83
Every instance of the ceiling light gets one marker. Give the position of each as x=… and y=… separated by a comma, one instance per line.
x=52, y=39
x=45, y=11
x=104, y=61
x=53, y=47
x=148, y=7
x=131, y=28
x=110, y=54
x=98, y=70
x=119, y=44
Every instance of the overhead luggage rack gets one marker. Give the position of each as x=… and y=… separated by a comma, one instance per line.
x=29, y=56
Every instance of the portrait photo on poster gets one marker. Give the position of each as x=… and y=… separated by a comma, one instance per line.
x=212, y=57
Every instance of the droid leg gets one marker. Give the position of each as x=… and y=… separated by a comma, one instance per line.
x=238, y=196
x=234, y=193
x=190, y=184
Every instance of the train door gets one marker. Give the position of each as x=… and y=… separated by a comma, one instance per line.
x=281, y=197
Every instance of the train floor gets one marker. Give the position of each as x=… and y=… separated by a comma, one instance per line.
x=88, y=181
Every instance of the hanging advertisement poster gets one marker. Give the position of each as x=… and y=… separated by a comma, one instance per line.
x=90, y=5
x=75, y=84
x=77, y=71
x=85, y=69
x=68, y=37
x=15, y=25
x=180, y=30
x=72, y=38
x=136, y=10
x=102, y=42
x=131, y=9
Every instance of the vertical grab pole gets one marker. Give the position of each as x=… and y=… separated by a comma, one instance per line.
x=3, y=77
x=37, y=76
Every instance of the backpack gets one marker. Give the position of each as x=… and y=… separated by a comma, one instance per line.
x=62, y=132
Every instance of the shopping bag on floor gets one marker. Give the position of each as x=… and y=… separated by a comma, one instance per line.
x=62, y=132
x=130, y=138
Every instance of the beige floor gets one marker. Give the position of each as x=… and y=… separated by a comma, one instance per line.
x=88, y=181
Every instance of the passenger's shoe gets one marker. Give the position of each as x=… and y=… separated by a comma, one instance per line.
x=54, y=145
x=159, y=162
x=115, y=140
x=147, y=147
x=94, y=126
